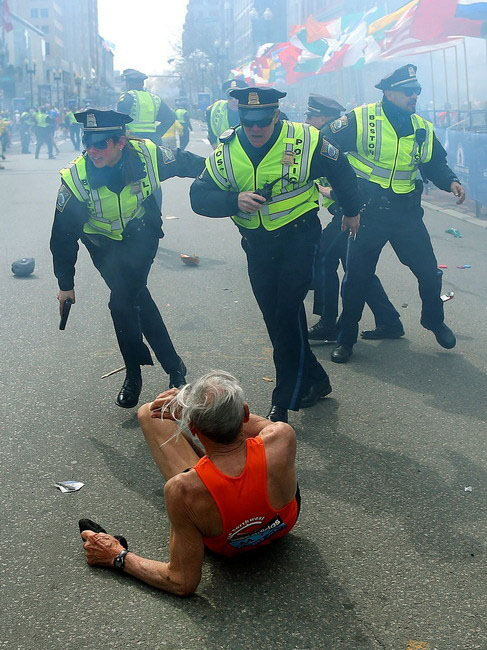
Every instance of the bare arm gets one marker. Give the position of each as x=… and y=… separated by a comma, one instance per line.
x=182, y=574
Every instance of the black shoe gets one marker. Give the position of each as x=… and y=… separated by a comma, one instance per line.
x=445, y=337
x=89, y=524
x=383, y=333
x=129, y=394
x=52, y=157
x=277, y=414
x=322, y=332
x=177, y=378
x=315, y=393
x=341, y=354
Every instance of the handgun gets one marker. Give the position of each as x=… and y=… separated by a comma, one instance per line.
x=65, y=313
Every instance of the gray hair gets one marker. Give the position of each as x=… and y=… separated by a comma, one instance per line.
x=213, y=404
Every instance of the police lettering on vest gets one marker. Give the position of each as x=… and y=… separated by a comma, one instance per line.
x=109, y=212
x=288, y=162
x=384, y=158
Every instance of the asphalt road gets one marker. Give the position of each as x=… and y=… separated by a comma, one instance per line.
x=389, y=551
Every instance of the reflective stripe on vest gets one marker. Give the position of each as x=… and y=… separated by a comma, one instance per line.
x=219, y=117
x=382, y=157
x=231, y=169
x=109, y=212
x=144, y=111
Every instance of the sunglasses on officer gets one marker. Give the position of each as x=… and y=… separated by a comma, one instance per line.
x=95, y=142
x=260, y=123
x=411, y=90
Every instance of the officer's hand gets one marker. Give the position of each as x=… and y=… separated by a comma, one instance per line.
x=62, y=296
x=352, y=224
x=100, y=548
x=325, y=191
x=250, y=202
x=459, y=191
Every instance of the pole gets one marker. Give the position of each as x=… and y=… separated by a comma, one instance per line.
x=446, y=76
x=458, y=81
x=433, y=88
x=466, y=74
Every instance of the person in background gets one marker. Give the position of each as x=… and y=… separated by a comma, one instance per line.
x=151, y=116
x=333, y=249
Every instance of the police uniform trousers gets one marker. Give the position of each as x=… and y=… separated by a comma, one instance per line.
x=24, y=139
x=400, y=223
x=125, y=266
x=184, y=138
x=280, y=267
x=75, y=135
x=43, y=136
x=332, y=250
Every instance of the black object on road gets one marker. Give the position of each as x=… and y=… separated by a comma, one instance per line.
x=24, y=267
x=65, y=313
x=89, y=524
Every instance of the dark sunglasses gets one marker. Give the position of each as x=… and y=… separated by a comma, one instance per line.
x=409, y=92
x=260, y=123
x=97, y=144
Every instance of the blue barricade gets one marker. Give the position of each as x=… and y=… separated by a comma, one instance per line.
x=467, y=156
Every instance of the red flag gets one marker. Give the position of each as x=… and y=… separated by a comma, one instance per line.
x=431, y=17
x=434, y=19
x=6, y=17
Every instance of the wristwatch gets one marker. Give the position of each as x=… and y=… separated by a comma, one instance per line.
x=119, y=561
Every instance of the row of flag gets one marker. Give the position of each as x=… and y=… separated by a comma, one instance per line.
x=361, y=38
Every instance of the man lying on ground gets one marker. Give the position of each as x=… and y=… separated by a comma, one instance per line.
x=240, y=495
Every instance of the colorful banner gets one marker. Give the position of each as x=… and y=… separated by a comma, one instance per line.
x=361, y=38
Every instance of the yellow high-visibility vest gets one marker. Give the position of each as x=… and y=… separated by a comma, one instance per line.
x=384, y=158
x=109, y=213
x=219, y=117
x=144, y=111
x=289, y=157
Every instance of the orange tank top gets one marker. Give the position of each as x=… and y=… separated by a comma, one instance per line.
x=248, y=519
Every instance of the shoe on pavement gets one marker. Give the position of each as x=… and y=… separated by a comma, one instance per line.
x=177, y=378
x=277, y=414
x=322, y=332
x=383, y=333
x=315, y=393
x=341, y=354
x=129, y=394
x=445, y=337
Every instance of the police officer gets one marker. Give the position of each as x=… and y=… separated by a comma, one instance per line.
x=106, y=200
x=261, y=175
x=223, y=114
x=182, y=117
x=43, y=131
x=145, y=108
x=387, y=145
x=74, y=128
x=25, y=124
x=333, y=249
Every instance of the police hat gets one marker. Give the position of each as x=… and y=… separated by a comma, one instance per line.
x=24, y=267
x=103, y=122
x=256, y=104
x=130, y=73
x=321, y=106
x=403, y=77
x=230, y=84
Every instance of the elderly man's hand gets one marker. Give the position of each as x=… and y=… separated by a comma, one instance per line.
x=100, y=548
x=163, y=399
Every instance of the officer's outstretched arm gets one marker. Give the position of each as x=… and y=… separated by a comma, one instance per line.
x=174, y=162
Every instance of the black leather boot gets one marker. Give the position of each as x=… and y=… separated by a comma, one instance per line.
x=177, y=378
x=129, y=394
